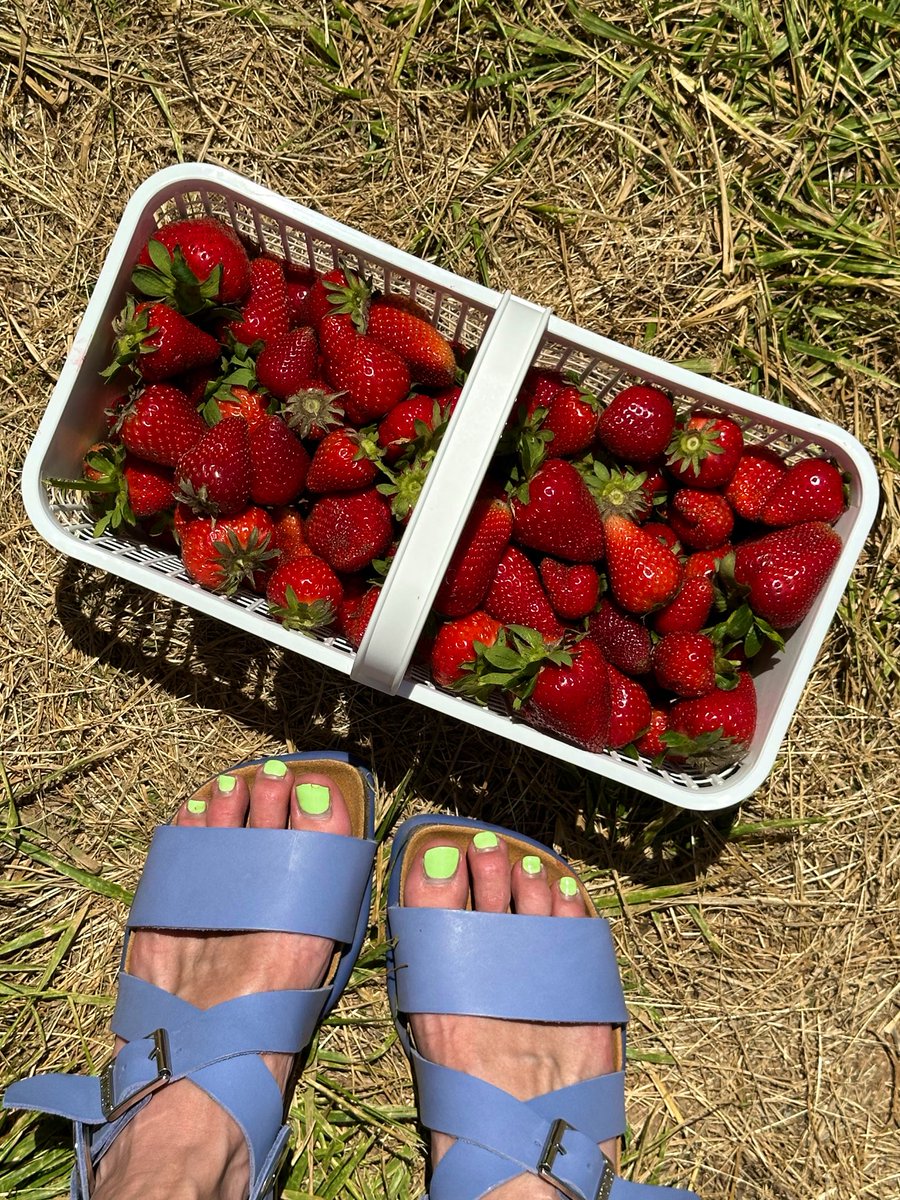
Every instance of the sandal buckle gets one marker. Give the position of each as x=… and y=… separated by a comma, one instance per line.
x=160, y=1055
x=553, y=1148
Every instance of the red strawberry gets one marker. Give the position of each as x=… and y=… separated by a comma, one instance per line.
x=643, y=574
x=123, y=489
x=423, y=348
x=537, y=391
x=158, y=342
x=289, y=537
x=637, y=424
x=356, y=611
x=625, y=642
x=279, y=463
x=572, y=419
x=474, y=561
x=656, y=490
x=214, y=475
x=686, y=664
x=344, y=461
x=222, y=553
x=252, y=406
x=573, y=588
x=192, y=264
x=289, y=363
x=298, y=282
x=705, y=563
x=810, y=490
x=407, y=421
x=160, y=424
x=304, y=593
x=701, y=520
x=664, y=534
x=758, y=471
x=560, y=516
x=340, y=290
x=715, y=729
x=338, y=338
x=264, y=315
x=705, y=450
x=630, y=710
x=517, y=597
x=150, y=486
x=350, y=530
x=454, y=646
x=651, y=744
x=374, y=379
x=573, y=700
x=785, y=570
x=689, y=611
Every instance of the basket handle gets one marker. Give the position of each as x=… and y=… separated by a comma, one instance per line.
x=507, y=348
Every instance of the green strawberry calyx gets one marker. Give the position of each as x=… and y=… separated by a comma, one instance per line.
x=304, y=615
x=169, y=278
x=513, y=664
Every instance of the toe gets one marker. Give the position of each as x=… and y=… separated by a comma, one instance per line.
x=317, y=803
x=270, y=795
x=566, y=899
x=192, y=812
x=489, y=871
x=228, y=802
x=437, y=878
x=530, y=889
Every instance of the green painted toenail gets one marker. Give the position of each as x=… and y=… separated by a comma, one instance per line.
x=485, y=840
x=314, y=799
x=440, y=862
x=531, y=864
x=568, y=887
x=275, y=768
x=226, y=784
x=196, y=807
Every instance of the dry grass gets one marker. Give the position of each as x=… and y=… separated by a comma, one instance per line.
x=719, y=184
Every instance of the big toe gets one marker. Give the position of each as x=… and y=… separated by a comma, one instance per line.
x=318, y=805
x=437, y=877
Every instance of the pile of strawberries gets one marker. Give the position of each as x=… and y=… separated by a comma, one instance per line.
x=619, y=568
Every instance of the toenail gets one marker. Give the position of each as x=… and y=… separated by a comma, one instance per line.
x=485, y=840
x=568, y=887
x=440, y=862
x=275, y=768
x=226, y=784
x=314, y=799
x=531, y=864
x=196, y=807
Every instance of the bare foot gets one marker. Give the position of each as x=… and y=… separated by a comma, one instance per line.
x=182, y=1144
x=523, y=1058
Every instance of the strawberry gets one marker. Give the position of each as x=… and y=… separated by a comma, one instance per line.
x=243, y=402
x=338, y=338
x=689, y=610
x=356, y=610
x=537, y=391
x=664, y=534
x=222, y=553
x=758, y=471
x=637, y=424
x=408, y=421
x=651, y=744
x=122, y=488
x=298, y=283
x=193, y=264
x=705, y=450
x=572, y=699
x=473, y=564
x=573, y=588
x=279, y=463
x=704, y=564
x=560, y=516
x=264, y=315
x=350, y=530
x=625, y=642
x=517, y=597
x=785, y=570
x=374, y=379
x=456, y=645
x=423, y=348
x=340, y=290
x=159, y=424
x=304, y=593
x=643, y=574
x=313, y=411
x=701, y=520
x=344, y=461
x=716, y=729
x=289, y=537
x=630, y=711
x=688, y=664
x=572, y=418
x=158, y=342
x=213, y=477
x=289, y=363
x=810, y=490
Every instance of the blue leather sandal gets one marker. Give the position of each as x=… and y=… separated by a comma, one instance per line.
x=522, y=968
x=225, y=879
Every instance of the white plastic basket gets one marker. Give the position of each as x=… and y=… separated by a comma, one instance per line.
x=510, y=334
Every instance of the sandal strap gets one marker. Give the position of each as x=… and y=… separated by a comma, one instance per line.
x=574, y=978
x=237, y=879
